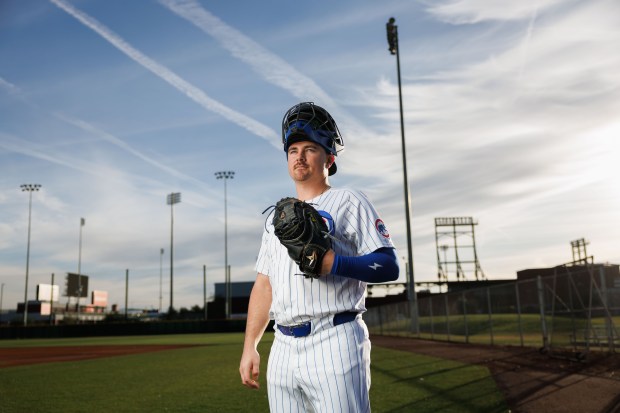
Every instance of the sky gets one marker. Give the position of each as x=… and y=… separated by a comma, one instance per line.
x=511, y=117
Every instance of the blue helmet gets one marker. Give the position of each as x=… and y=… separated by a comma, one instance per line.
x=309, y=122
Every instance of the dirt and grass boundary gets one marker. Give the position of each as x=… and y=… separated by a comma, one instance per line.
x=530, y=381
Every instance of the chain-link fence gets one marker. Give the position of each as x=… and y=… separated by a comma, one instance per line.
x=576, y=308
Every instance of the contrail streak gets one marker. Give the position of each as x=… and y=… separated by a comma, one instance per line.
x=85, y=126
x=13, y=144
x=123, y=145
x=271, y=67
x=10, y=87
x=172, y=78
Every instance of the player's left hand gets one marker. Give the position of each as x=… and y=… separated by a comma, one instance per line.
x=302, y=230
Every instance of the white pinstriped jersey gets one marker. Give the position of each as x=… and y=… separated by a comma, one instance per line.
x=358, y=230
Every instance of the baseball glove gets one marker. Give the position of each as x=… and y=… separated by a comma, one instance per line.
x=303, y=232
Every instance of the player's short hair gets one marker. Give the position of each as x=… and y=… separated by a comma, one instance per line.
x=309, y=122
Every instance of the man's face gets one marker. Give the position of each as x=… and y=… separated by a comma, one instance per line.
x=308, y=161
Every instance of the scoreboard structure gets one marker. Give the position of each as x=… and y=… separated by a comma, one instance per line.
x=76, y=285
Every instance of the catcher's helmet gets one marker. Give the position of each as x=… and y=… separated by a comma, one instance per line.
x=309, y=122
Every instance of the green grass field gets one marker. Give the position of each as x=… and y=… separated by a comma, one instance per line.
x=505, y=329
x=206, y=379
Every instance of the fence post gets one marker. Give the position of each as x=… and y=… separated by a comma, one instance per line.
x=608, y=320
x=541, y=305
x=445, y=299
x=519, y=324
x=430, y=313
x=465, y=316
x=590, y=330
x=554, y=299
x=490, y=314
x=571, y=304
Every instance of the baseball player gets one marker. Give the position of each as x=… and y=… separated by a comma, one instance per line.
x=320, y=357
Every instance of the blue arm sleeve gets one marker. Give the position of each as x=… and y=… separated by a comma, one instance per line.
x=378, y=266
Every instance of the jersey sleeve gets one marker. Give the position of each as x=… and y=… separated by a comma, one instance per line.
x=364, y=225
x=263, y=262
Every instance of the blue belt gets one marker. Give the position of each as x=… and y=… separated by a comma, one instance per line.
x=303, y=329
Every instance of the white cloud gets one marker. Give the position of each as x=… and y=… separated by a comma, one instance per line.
x=476, y=11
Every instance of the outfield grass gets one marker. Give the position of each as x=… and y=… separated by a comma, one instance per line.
x=206, y=379
x=506, y=329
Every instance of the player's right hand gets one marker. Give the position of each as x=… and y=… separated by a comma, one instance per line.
x=249, y=368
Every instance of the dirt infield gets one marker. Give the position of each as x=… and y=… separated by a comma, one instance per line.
x=35, y=355
x=530, y=381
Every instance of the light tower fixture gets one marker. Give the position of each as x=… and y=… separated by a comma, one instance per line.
x=30, y=188
x=161, y=260
x=225, y=176
x=79, y=294
x=171, y=199
x=392, y=37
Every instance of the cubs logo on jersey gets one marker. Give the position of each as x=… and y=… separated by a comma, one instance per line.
x=381, y=228
x=329, y=221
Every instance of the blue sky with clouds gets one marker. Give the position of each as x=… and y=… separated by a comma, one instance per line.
x=511, y=117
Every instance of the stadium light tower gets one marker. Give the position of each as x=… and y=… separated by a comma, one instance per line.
x=392, y=37
x=173, y=198
x=30, y=188
x=226, y=175
x=82, y=222
x=161, y=260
